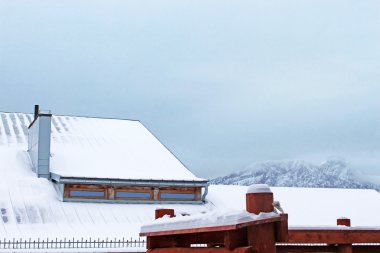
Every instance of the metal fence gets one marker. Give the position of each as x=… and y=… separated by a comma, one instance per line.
x=71, y=243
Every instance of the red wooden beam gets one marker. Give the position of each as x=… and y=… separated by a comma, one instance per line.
x=366, y=249
x=334, y=236
x=166, y=241
x=305, y=248
x=325, y=249
x=202, y=250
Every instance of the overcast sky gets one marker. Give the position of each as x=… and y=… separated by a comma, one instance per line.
x=221, y=83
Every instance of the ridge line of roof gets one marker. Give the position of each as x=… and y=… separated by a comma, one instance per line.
x=78, y=116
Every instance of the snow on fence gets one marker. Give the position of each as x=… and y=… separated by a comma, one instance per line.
x=71, y=243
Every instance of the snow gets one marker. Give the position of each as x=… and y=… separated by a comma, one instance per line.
x=309, y=206
x=259, y=188
x=30, y=208
x=100, y=148
x=210, y=219
x=333, y=173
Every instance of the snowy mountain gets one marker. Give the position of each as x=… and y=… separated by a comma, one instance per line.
x=330, y=174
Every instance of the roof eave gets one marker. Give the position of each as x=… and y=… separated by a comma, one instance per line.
x=132, y=182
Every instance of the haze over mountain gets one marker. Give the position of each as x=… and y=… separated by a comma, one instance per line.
x=332, y=173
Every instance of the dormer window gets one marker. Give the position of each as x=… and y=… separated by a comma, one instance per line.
x=130, y=194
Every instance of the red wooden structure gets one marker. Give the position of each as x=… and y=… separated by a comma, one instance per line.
x=263, y=235
x=257, y=235
x=337, y=239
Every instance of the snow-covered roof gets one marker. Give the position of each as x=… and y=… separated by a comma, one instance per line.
x=309, y=206
x=29, y=206
x=86, y=147
x=223, y=220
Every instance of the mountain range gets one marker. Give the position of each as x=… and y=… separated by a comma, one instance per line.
x=334, y=173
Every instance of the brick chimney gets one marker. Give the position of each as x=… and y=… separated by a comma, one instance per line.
x=259, y=198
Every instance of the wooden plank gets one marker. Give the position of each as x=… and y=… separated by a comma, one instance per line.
x=166, y=241
x=281, y=228
x=334, y=236
x=160, y=242
x=305, y=248
x=366, y=249
x=258, y=222
x=262, y=238
x=325, y=249
x=345, y=248
x=202, y=250
x=235, y=238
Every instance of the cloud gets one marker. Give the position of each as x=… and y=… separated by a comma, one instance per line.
x=222, y=83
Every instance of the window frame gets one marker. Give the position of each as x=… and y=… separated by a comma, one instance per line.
x=132, y=191
x=87, y=190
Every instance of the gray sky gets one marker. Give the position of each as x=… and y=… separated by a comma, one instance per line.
x=221, y=83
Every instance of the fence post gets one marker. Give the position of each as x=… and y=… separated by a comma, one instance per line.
x=161, y=212
x=344, y=248
x=259, y=198
x=343, y=222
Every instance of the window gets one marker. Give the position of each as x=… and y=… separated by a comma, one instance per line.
x=132, y=195
x=177, y=196
x=87, y=194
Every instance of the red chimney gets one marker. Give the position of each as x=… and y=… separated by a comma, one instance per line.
x=159, y=213
x=259, y=198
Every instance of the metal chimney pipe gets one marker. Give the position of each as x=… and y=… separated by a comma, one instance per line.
x=36, y=111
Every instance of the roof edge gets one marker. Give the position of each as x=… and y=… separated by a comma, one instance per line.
x=136, y=182
x=78, y=116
